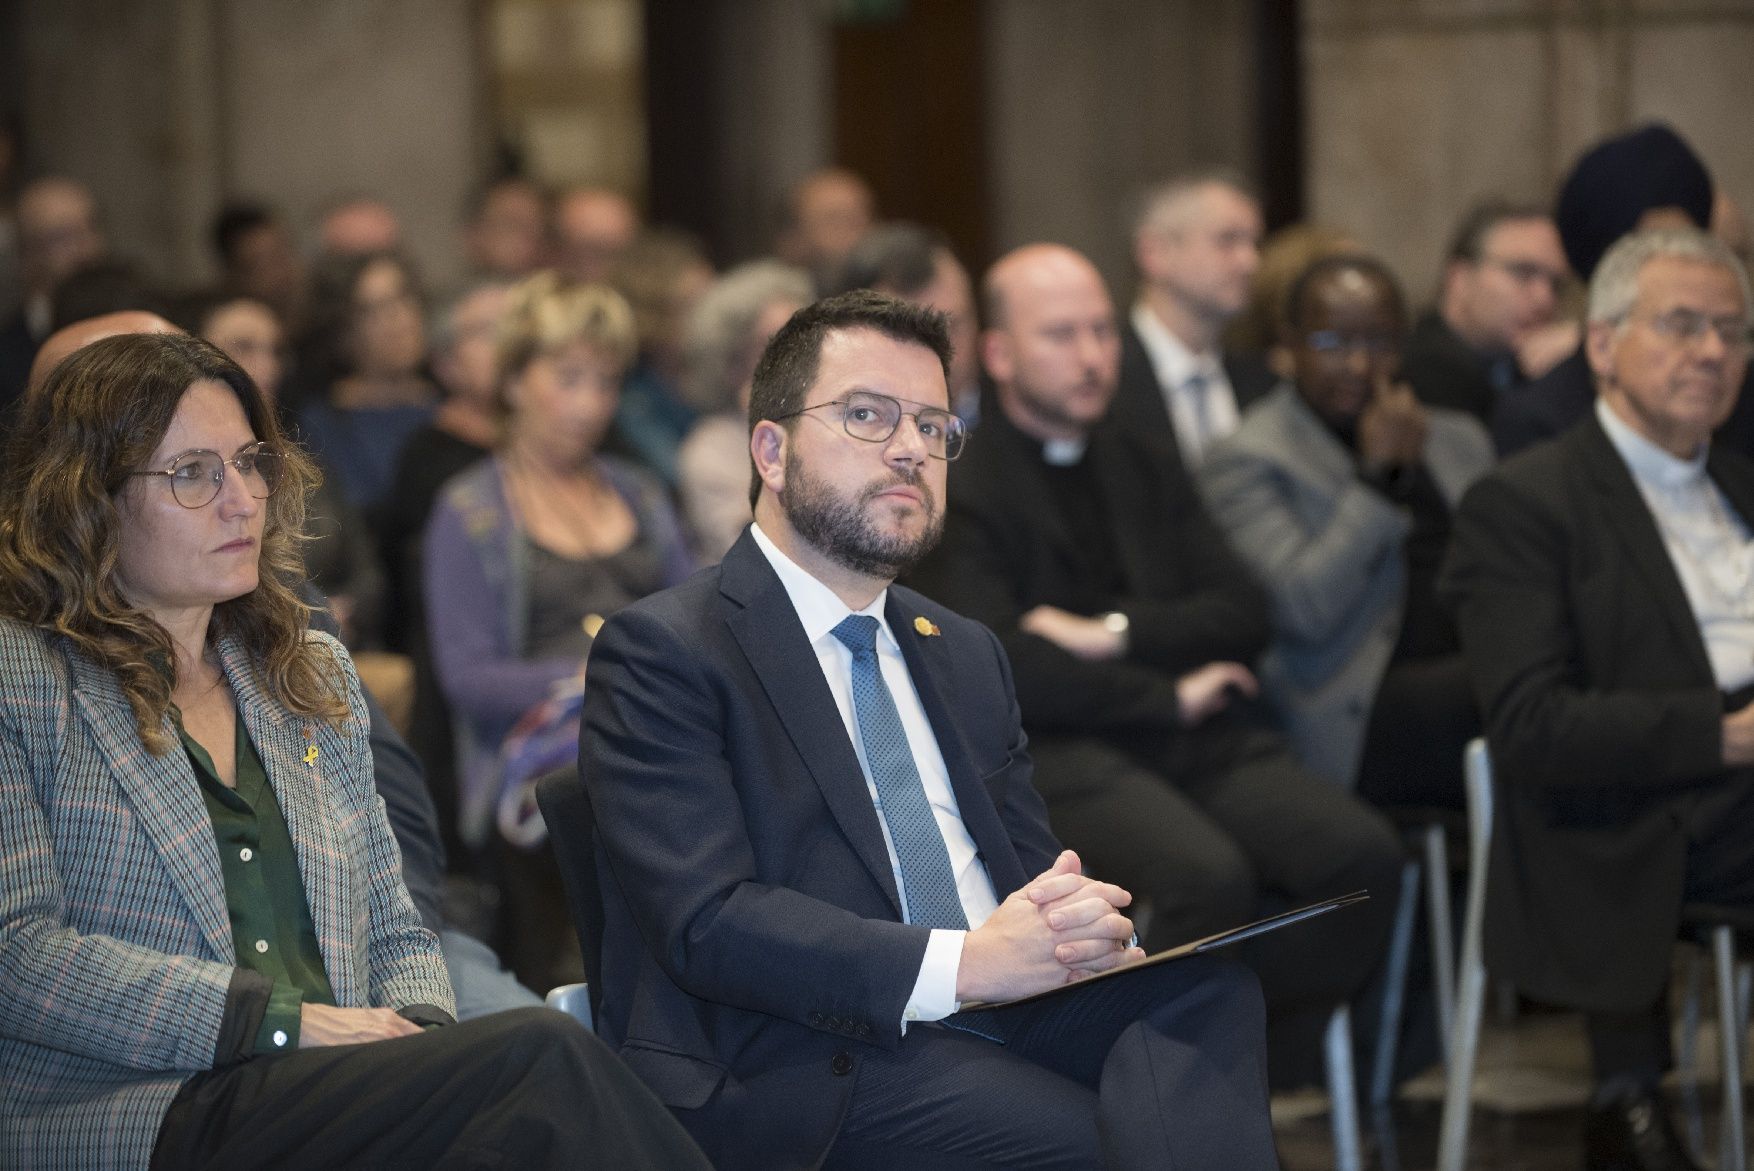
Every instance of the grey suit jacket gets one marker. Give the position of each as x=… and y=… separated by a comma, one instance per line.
x=1328, y=548
x=115, y=943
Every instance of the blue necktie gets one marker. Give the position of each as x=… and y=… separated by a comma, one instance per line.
x=930, y=885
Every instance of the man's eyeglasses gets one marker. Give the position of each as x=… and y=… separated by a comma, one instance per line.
x=1689, y=325
x=1527, y=272
x=874, y=417
x=196, y=476
x=1332, y=343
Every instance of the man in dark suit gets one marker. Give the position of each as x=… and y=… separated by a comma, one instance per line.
x=1601, y=585
x=819, y=838
x=1197, y=244
x=1133, y=628
x=1491, y=329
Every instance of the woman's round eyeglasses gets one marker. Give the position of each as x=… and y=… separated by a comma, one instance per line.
x=197, y=476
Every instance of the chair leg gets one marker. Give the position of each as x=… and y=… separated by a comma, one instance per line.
x=1343, y=1091
x=1687, y=1055
x=1733, y=1150
x=1394, y=996
x=1443, y=954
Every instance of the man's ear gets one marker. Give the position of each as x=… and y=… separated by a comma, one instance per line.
x=996, y=355
x=767, y=447
x=1599, y=344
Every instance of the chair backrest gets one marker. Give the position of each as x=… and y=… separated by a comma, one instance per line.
x=572, y=829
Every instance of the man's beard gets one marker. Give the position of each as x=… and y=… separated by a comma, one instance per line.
x=843, y=531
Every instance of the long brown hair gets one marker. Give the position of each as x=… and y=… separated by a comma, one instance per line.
x=97, y=418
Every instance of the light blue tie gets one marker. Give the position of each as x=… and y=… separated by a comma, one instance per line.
x=930, y=885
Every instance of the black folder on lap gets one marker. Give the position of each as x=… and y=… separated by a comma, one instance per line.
x=1196, y=947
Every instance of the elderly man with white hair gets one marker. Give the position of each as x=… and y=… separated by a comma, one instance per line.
x=1603, y=587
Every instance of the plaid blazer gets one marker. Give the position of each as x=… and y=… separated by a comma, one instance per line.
x=115, y=942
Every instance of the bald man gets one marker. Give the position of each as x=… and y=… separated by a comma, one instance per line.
x=826, y=214
x=80, y=334
x=1133, y=632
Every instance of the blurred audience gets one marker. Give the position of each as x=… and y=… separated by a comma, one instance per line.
x=525, y=555
x=1493, y=326
x=822, y=217
x=1285, y=253
x=1337, y=490
x=1196, y=243
x=359, y=225
x=592, y=227
x=662, y=275
x=369, y=390
x=506, y=235
x=1645, y=178
x=727, y=331
x=58, y=234
x=259, y=259
x=917, y=264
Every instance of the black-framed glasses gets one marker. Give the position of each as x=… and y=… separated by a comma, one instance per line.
x=1333, y=343
x=1689, y=325
x=197, y=476
x=1528, y=272
x=873, y=417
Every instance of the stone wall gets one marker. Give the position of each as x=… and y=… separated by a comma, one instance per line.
x=1418, y=107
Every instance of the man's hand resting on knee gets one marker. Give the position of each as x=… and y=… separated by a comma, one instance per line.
x=1060, y=927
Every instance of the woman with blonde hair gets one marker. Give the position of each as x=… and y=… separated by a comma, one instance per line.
x=207, y=953
x=525, y=555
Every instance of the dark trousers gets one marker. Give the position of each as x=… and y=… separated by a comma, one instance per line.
x=1219, y=827
x=525, y=1088
x=1634, y=1046
x=1163, y=1068
x=1423, y=717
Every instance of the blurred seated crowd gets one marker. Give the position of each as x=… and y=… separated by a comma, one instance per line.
x=1219, y=528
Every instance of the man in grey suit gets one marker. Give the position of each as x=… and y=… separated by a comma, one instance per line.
x=1338, y=489
x=1197, y=244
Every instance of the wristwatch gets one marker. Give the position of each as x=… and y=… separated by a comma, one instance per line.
x=1116, y=623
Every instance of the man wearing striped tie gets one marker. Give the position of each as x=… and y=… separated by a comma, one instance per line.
x=819, y=841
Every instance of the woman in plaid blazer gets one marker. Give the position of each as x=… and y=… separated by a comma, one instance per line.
x=164, y=997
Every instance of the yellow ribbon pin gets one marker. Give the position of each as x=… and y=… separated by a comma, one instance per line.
x=926, y=627
x=311, y=754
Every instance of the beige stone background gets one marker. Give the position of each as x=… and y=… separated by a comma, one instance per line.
x=1413, y=107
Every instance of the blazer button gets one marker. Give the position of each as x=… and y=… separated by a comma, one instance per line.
x=834, y=1023
x=864, y=1030
x=816, y=1020
x=841, y=1065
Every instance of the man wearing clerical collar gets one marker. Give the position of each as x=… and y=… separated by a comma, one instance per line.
x=1601, y=586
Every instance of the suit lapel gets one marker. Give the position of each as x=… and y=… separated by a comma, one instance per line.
x=1622, y=511
x=766, y=627
x=926, y=658
x=165, y=796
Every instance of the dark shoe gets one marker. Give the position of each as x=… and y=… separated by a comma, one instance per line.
x=1634, y=1133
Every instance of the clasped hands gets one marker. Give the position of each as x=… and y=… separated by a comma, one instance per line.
x=1057, y=928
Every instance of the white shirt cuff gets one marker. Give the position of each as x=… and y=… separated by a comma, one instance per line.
x=934, y=994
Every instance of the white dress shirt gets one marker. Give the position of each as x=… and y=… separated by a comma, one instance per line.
x=1708, y=544
x=820, y=611
x=1198, y=425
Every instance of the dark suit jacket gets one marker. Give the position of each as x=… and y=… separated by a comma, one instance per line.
x=1139, y=403
x=1601, y=712
x=1188, y=598
x=1445, y=371
x=754, y=946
